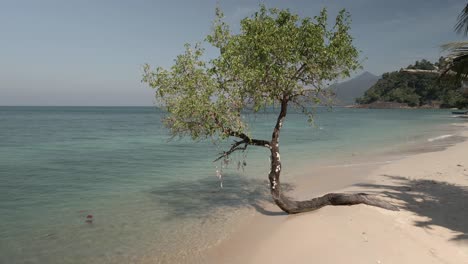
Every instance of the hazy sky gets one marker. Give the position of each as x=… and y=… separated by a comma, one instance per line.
x=90, y=52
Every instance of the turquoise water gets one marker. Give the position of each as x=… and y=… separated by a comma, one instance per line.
x=151, y=199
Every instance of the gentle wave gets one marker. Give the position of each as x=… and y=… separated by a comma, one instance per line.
x=439, y=138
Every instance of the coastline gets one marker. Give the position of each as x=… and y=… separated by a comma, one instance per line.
x=154, y=202
x=428, y=183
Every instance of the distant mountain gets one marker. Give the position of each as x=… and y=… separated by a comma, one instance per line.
x=347, y=92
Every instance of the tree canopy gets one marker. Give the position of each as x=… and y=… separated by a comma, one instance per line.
x=275, y=55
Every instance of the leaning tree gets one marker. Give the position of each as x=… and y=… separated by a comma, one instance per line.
x=277, y=58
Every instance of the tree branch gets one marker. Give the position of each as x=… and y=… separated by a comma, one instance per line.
x=299, y=71
x=234, y=147
x=246, y=141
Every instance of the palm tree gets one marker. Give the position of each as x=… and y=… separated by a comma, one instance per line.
x=457, y=59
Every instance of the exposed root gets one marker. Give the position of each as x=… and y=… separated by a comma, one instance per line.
x=294, y=207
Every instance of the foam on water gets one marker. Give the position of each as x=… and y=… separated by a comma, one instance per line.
x=439, y=137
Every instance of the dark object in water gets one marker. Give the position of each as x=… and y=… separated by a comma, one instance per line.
x=89, y=219
x=463, y=112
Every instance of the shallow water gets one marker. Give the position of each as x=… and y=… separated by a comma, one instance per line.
x=151, y=199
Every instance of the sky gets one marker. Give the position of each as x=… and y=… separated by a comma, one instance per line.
x=90, y=53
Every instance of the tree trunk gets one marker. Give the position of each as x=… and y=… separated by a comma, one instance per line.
x=293, y=207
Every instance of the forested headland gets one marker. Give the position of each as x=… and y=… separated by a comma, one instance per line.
x=418, y=85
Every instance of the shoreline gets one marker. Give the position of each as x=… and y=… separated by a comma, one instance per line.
x=270, y=228
x=172, y=209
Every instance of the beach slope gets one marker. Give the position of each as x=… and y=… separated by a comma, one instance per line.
x=431, y=190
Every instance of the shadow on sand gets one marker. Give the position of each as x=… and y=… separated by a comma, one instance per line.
x=441, y=203
x=202, y=197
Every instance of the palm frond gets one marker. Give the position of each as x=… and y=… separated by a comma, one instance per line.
x=456, y=59
x=455, y=46
x=462, y=22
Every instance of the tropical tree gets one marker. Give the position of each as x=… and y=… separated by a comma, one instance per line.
x=457, y=59
x=277, y=59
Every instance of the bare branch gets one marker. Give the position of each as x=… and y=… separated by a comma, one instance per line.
x=246, y=141
x=234, y=147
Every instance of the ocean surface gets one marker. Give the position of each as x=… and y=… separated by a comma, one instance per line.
x=105, y=184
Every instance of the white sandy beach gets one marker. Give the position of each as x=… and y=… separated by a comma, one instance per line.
x=431, y=190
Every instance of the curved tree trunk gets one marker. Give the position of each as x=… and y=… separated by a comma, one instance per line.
x=294, y=207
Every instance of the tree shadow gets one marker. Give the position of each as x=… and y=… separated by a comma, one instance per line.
x=200, y=198
x=441, y=203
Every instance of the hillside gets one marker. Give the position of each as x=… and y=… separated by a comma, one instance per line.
x=347, y=92
x=416, y=89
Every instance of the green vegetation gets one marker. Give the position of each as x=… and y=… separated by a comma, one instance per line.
x=276, y=56
x=278, y=59
x=417, y=88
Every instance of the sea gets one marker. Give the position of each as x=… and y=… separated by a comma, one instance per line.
x=109, y=184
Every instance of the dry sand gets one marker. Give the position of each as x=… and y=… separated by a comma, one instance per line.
x=431, y=190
